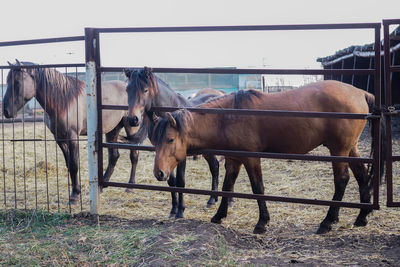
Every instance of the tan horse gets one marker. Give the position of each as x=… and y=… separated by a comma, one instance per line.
x=64, y=99
x=207, y=91
x=183, y=130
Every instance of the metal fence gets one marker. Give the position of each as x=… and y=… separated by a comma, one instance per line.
x=96, y=145
x=34, y=173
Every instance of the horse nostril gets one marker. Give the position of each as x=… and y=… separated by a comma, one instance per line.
x=161, y=174
x=136, y=120
x=5, y=111
x=133, y=121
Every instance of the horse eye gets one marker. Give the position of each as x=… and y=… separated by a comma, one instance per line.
x=170, y=141
x=146, y=90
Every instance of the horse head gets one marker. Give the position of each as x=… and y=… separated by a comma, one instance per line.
x=141, y=88
x=169, y=139
x=20, y=89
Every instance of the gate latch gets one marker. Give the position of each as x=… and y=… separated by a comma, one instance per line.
x=391, y=110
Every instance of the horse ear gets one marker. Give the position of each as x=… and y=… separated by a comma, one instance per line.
x=148, y=71
x=10, y=64
x=156, y=118
x=128, y=73
x=18, y=63
x=171, y=120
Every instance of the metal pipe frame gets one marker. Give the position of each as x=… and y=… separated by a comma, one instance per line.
x=389, y=69
x=375, y=117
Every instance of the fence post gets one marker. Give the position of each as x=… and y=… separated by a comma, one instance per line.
x=91, y=110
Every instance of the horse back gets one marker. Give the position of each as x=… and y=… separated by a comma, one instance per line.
x=299, y=134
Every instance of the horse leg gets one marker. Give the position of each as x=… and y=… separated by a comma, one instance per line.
x=180, y=182
x=253, y=168
x=73, y=169
x=341, y=178
x=134, y=156
x=113, y=154
x=174, y=202
x=362, y=177
x=213, y=164
x=232, y=168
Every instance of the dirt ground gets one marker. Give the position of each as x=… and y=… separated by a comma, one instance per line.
x=290, y=236
x=278, y=247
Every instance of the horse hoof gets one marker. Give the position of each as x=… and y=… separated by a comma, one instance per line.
x=129, y=190
x=259, y=229
x=179, y=216
x=323, y=229
x=361, y=222
x=336, y=220
x=210, y=205
x=216, y=220
x=72, y=201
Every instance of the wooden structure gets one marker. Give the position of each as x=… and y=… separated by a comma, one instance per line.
x=362, y=57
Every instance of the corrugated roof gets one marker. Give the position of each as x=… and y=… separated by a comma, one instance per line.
x=366, y=50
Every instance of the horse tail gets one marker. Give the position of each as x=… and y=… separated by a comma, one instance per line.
x=372, y=109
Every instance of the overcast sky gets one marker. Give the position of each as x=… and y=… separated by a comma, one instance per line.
x=24, y=19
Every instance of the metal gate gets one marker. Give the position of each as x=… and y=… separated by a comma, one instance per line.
x=96, y=144
x=390, y=67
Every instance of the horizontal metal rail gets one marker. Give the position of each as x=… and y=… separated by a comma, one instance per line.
x=243, y=28
x=394, y=68
x=41, y=140
x=71, y=65
x=253, y=112
x=237, y=153
x=250, y=71
x=44, y=41
x=244, y=195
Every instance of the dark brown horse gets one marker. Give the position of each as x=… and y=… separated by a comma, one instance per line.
x=64, y=99
x=146, y=90
x=183, y=130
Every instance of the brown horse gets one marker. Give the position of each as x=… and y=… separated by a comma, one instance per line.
x=183, y=130
x=64, y=99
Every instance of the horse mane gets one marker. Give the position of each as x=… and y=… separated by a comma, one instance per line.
x=234, y=100
x=58, y=89
x=183, y=119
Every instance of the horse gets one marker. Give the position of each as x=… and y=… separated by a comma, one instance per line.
x=146, y=90
x=181, y=131
x=64, y=100
x=205, y=91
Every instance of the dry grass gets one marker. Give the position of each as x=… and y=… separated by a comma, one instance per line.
x=281, y=178
x=290, y=234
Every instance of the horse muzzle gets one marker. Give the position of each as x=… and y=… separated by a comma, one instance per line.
x=133, y=121
x=9, y=114
x=161, y=176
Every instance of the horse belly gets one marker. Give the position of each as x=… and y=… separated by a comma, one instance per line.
x=295, y=136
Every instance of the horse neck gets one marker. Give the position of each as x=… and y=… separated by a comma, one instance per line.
x=167, y=97
x=50, y=97
x=203, y=132
x=206, y=130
